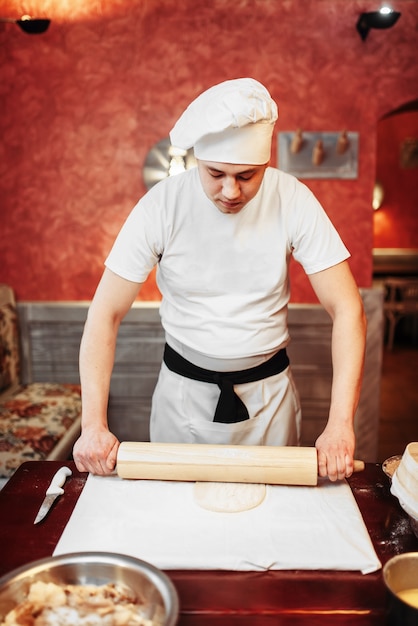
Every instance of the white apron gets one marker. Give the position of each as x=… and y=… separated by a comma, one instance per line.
x=183, y=409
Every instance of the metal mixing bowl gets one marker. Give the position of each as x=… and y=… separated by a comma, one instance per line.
x=400, y=573
x=391, y=465
x=96, y=568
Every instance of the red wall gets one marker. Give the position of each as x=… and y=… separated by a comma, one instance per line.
x=84, y=102
x=396, y=222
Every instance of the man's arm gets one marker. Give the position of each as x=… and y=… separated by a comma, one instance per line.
x=338, y=293
x=96, y=449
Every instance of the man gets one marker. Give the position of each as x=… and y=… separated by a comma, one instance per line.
x=222, y=236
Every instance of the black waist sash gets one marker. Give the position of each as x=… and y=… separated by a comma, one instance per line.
x=230, y=407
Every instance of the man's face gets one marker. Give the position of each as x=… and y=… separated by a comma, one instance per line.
x=230, y=187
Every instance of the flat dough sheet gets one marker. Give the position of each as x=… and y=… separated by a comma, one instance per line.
x=159, y=521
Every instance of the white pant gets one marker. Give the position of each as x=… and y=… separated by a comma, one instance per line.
x=183, y=409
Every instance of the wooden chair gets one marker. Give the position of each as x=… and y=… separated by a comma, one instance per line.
x=39, y=420
x=401, y=301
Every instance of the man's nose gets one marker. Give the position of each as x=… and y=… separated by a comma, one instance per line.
x=231, y=188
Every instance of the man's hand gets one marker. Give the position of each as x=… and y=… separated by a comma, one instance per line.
x=96, y=451
x=335, y=452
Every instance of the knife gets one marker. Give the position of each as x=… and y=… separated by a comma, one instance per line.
x=54, y=490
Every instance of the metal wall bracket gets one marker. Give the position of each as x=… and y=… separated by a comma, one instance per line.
x=319, y=154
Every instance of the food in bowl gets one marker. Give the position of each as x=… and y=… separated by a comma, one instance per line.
x=410, y=596
x=88, y=588
x=49, y=604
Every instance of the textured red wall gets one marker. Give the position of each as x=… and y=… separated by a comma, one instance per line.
x=396, y=222
x=84, y=102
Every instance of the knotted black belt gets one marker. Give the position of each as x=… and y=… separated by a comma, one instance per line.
x=230, y=407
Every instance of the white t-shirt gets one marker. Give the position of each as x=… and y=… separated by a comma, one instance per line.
x=224, y=277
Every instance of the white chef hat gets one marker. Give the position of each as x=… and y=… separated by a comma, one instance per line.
x=229, y=123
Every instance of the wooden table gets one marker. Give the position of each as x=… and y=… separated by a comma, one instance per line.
x=223, y=598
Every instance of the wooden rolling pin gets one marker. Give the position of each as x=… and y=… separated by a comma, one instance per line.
x=272, y=465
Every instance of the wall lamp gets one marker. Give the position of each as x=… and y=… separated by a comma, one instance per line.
x=378, y=195
x=384, y=18
x=31, y=25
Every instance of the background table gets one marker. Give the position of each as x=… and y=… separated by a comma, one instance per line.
x=223, y=598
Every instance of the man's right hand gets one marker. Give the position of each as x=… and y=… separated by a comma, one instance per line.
x=96, y=451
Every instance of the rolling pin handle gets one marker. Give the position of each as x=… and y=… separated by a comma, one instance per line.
x=358, y=466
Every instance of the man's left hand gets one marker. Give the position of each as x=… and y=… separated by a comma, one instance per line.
x=335, y=449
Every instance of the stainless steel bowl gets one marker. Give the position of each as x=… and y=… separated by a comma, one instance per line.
x=391, y=464
x=96, y=568
x=400, y=574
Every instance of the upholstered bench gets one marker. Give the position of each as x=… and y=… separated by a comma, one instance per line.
x=39, y=420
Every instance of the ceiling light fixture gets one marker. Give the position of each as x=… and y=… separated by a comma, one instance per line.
x=30, y=25
x=384, y=18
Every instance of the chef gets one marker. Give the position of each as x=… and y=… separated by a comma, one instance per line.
x=222, y=236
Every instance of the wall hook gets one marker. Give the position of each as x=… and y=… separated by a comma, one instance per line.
x=297, y=142
x=342, y=143
x=318, y=153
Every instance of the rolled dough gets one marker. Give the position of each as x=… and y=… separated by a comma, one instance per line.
x=228, y=497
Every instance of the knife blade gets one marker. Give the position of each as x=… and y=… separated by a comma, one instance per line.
x=54, y=490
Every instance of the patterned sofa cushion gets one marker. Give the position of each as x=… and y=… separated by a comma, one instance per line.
x=34, y=420
x=9, y=346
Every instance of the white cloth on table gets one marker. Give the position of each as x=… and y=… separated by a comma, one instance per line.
x=294, y=528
